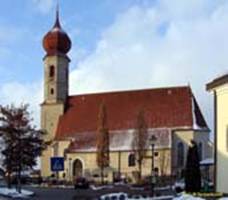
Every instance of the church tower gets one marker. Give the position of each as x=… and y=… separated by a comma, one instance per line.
x=56, y=62
x=56, y=44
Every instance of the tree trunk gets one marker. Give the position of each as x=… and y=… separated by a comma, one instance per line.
x=140, y=171
x=9, y=180
x=19, y=181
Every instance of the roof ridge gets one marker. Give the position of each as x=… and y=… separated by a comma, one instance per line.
x=133, y=90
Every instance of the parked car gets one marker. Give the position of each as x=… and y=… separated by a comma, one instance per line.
x=114, y=196
x=25, y=179
x=179, y=186
x=122, y=196
x=81, y=183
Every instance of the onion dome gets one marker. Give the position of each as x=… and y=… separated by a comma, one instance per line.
x=56, y=41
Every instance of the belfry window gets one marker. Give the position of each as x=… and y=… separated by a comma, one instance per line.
x=51, y=71
x=131, y=160
x=52, y=91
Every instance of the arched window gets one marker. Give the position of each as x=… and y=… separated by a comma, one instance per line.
x=77, y=168
x=51, y=71
x=200, y=151
x=180, y=154
x=156, y=171
x=131, y=160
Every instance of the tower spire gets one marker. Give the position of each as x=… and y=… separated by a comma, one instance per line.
x=56, y=41
x=57, y=23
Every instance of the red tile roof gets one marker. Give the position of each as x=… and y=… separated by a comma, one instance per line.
x=164, y=108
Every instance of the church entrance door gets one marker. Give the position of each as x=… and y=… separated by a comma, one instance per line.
x=77, y=168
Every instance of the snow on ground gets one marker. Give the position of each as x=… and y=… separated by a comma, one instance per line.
x=93, y=187
x=14, y=193
x=187, y=197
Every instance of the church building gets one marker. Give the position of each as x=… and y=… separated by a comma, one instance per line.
x=172, y=115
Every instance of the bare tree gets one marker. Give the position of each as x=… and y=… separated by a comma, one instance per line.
x=140, y=140
x=22, y=141
x=102, y=141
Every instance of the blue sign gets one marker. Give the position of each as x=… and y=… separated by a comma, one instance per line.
x=57, y=164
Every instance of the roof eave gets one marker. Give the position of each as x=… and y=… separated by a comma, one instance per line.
x=217, y=82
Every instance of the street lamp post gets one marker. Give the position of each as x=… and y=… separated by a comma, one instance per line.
x=153, y=140
x=70, y=159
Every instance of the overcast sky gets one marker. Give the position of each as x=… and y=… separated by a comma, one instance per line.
x=117, y=45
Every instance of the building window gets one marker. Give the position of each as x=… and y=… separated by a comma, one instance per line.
x=131, y=160
x=51, y=71
x=156, y=154
x=200, y=151
x=52, y=91
x=180, y=154
x=156, y=171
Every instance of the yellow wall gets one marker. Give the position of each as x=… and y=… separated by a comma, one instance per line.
x=166, y=160
x=222, y=151
x=90, y=166
x=53, y=106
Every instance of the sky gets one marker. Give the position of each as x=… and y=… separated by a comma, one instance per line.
x=116, y=45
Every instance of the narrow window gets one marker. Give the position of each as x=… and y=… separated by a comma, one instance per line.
x=200, y=151
x=131, y=160
x=52, y=91
x=51, y=71
x=156, y=171
x=180, y=154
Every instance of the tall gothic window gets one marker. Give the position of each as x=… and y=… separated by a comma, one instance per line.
x=131, y=160
x=51, y=71
x=180, y=154
x=200, y=151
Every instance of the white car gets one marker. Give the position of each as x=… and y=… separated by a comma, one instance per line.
x=121, y=196
x=114, y=196
x=179, y=185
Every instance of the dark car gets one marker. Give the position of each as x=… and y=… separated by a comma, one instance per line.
x=25, y=179
x=81, y=183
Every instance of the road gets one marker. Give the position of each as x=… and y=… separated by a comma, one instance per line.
x=72, y=194
x=53, y=193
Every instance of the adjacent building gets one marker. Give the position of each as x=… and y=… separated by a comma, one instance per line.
x=219, y=87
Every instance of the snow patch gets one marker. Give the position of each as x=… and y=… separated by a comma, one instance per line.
x=187, y=197
x=13, y=193
x=207, y=161
x=93, y=187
